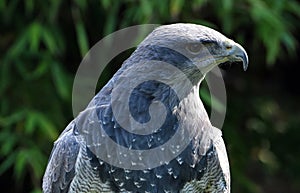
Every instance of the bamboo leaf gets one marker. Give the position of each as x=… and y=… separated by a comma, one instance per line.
x=37, y=164
x=9, y=141
x=20, y=163
x=46, y=127
x=8, y=162
x=34, y=33
x=49, y=41
x=13, y=118
x=61, y=82
x=19, y=45
x=82, y=38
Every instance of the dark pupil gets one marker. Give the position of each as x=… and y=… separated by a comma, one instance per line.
x=194, y=47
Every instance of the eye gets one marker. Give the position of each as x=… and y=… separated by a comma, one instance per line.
x=194, y=48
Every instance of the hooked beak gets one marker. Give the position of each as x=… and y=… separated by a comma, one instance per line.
x=237, y=54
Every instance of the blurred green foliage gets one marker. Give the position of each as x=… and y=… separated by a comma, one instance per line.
x=43, y=42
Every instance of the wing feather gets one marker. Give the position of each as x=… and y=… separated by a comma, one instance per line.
x=61, y=167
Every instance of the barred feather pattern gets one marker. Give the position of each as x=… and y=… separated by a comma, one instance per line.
x=87, y=178
x=217, y=177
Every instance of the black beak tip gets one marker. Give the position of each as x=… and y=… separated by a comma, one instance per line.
x=241, y=56
x=245, y=65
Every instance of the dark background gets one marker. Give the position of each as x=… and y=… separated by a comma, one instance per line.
x=42, y=44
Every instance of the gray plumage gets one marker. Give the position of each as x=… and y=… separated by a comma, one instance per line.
x=76, y=165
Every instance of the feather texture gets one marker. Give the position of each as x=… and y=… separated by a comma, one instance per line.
x=85, y=157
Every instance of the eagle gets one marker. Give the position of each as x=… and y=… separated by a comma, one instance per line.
x=147, y=129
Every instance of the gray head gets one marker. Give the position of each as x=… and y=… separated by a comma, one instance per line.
x=204, y=47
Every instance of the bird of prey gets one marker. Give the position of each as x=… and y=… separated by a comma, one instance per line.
x=96, y=153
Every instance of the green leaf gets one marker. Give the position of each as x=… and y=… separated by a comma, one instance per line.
x=20, y=163
x=205, y=96
x=293, y=7
x=82, y=38
x=8, y=141
x=40, y=69
x=50, y=41
x=61, y=81
x=13, y=118
x=289, y=41
x=226, y=16
x=211, y=101
x=8, y=162
x=30, y=122
x=46, y=127
x=146, y=8
x=273, y=50
x=38, y=163
x=110, y=24
x=19, y=46
x=34, y=33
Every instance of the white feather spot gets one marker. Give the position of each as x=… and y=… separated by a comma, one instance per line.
x=179, y=160
x=143, y=179
x=137, y=184
x=133, y=163
x=170, y=171
x=158, y=176
x=121, y=184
